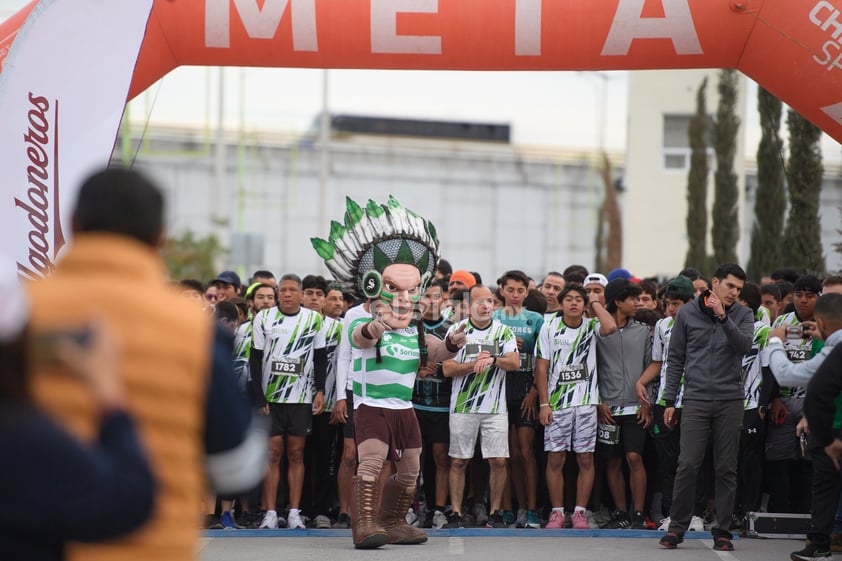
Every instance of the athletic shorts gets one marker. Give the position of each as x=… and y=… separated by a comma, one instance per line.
x=348, y=427
x=632, y=438
x=295, y=419
x=573, y=428
x=516, y=418
x=435, y=426
x=493, y=429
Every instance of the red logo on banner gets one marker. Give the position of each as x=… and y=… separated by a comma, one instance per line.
x=41, y=204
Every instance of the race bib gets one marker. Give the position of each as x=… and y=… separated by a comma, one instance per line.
x=798, y=353
x=288, y=366
x=473, y=350
x=608, y=434
x=573, y=374
x=525, y=362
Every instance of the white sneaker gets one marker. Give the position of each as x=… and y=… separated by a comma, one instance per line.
x=439, y=520
x=665, y=525
x=270, y=520
x=411, y=517
x=322, y=522
x=520, y=521
x=294, y=520
x=697, y=524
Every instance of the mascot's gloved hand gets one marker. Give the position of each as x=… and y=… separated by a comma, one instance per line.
x=374, y=329
x=457, y=338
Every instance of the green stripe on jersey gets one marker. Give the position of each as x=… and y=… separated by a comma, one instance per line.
x=384, y=391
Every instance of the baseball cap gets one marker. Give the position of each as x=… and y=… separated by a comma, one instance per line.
x=595, y=278
x=680, y=287
x=15, y=304
x=464, y=277
x=619, y=274
x=228, y=277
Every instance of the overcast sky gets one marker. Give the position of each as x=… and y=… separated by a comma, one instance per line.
x=554, y=109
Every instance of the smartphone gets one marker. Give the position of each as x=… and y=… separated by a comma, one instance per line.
x=795, y=331
x=44, y=345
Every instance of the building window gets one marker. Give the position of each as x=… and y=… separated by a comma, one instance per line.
x=676, y=143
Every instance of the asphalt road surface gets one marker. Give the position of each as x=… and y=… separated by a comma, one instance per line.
x=486, y=545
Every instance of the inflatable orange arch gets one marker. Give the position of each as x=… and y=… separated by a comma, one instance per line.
x=793, y=48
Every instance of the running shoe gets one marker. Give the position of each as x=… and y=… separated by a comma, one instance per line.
x=556, y=520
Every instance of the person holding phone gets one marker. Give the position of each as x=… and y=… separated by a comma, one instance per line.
x=708, y=341
x=796, y=334
x=54, y=488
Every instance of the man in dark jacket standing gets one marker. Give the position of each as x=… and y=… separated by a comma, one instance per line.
x=709, y=339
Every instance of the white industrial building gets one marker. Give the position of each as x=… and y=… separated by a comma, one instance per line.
x=496, y=205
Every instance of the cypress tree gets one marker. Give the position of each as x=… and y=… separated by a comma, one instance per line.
x=770, y=198
x=802, y=236
x=697, y=184
x=725, y=231
x=838, y=246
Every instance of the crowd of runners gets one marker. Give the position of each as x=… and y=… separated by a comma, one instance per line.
x=575, y=363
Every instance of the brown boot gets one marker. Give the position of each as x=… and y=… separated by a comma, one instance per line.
x=365, y=497
x=393, y=508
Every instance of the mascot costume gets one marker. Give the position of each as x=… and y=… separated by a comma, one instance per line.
x=386, y=254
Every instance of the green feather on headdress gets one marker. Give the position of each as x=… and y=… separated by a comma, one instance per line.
x=374, y=237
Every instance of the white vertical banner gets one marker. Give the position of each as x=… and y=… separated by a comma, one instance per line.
x=63, y=90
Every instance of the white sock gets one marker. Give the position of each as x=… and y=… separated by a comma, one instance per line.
x=579, y=509
x=294, y=511
x=558, y=509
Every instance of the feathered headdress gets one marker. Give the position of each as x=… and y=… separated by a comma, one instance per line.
x=374, y=238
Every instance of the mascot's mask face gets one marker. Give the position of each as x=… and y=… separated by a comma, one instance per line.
x=399, y=294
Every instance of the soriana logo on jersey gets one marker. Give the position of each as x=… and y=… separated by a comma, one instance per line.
x=40, y=203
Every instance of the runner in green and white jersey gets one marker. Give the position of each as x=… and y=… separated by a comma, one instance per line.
x=567, y=381
x=261, y=297
x=478, y=400
x=758, y=389
x=286, y=342
x=288, y=348
x=319, y=456
x=770, y=298
x=331, y=310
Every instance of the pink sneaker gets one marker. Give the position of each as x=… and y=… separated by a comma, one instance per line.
x=556, y=521
x=580, y=520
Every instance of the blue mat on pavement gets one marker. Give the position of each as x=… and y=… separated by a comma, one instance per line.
x=458, y=532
